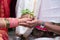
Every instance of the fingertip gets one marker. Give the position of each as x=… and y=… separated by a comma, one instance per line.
x=28, y=21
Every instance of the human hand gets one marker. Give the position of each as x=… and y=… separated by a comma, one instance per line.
x=34, y=22
x=28, y=22
x=25, y=18
x=31, y=22
x=23, y=21
x=26, y=14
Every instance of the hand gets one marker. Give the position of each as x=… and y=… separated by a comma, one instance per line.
x=23, y=21
x=33, y=23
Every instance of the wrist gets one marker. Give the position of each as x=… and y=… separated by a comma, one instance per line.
x=19, y=21
x=41, y=24
x=13, y=22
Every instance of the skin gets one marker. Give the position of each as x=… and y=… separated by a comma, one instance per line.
x=22, y=21
x=27, y=16
x=1, y=38
x=51, y=27
x=48, y=25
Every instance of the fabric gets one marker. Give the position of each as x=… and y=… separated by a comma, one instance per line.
x=13, y=23
x=4, y=8
x=12, y=8
x=33, y=5
x=44, y=38
x=26, y=4
x=50, y=11
x=45, y=10
x=4, y=13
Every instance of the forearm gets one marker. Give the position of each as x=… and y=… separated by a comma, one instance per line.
x=13, y=22
x=52, y=27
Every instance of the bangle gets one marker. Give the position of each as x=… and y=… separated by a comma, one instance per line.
x=7, y=23
x=42, y=24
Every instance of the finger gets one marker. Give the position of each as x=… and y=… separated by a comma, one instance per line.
x=24, y=19
x=31, y=22
x=24, y=24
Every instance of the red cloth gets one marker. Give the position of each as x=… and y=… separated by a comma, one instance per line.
x=3, y=35
x=43, y=29
x=4, y=13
